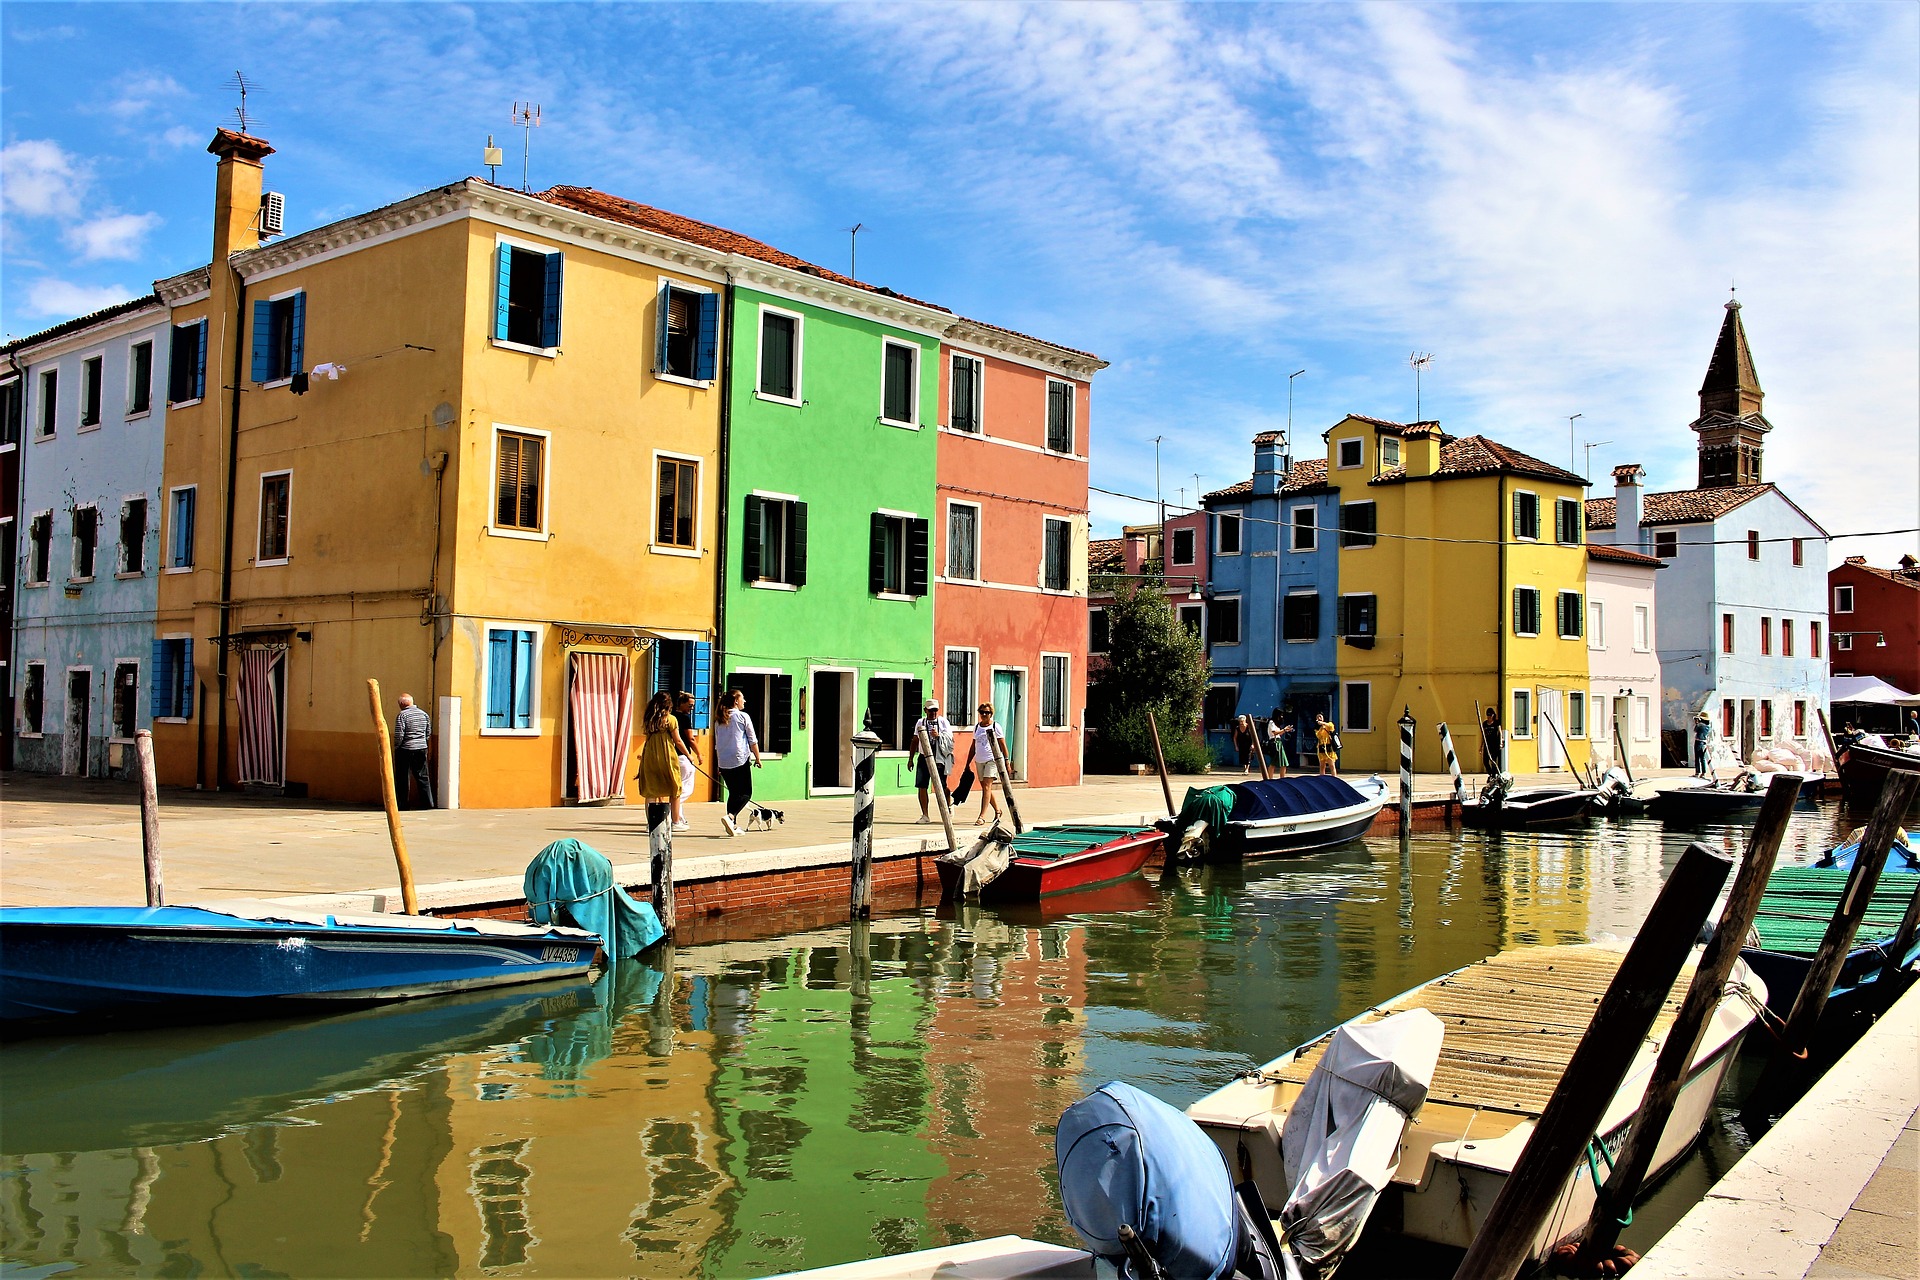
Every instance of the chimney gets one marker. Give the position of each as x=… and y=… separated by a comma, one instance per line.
x=236, y=192
x=1420, y=448
x=1626, y=505
x=1269, y=462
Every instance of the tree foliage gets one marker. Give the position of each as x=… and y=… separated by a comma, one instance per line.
x=1154, y=663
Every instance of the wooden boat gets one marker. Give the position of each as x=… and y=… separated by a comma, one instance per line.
x=1863, y=771
x=204, y=963
x=1060, y=858
x=1528, y=808
x=1792, y=919
x=1704, y=801
x=1282, y=817
x=1512, y=1023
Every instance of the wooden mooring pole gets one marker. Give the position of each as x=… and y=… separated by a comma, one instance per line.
x=383, y=744
x=860, y=887
x=938, y=778
x=1599, y=1064
x=1266, y=774
x=149, y=819
x=660, y=861
x=1006, y=781
x=1160, y=758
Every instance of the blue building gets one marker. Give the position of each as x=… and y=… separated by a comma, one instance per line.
x=1272, y=581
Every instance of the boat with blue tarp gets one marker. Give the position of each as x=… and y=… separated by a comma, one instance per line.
x=1276, y=817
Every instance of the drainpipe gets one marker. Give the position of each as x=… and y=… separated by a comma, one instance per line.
x=724, y=494
x=226, y=541
x=13, y=569
x=1500, y=625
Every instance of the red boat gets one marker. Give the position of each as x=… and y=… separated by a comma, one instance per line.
x=1060, y=859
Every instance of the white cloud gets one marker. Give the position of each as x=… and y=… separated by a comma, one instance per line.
x=181, y=135
x=140, y=94
x=41, y=179
x=112, y=236
x=50, y=297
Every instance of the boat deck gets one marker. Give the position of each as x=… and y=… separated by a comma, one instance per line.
x=1512, y=1023
x=1799, y=902
x=1068, y=840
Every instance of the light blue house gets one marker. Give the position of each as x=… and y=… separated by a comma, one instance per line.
x=1272, y=581
x=89, y=549
x=1741, y=606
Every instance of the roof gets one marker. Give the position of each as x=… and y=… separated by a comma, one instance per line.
x=1309, y=473
x=1907, y=575
x=83, y=322
x=1479, y=456
x=1683, y=506
x=1730, y=372
x=1621, y=555
x=1106, y=555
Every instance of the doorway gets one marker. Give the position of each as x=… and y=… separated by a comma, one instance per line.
x=76, y=748
x=263, y=715
x=1749, y=728
x=830, y=708
x=1552, y=754
x=1622, y=733
x=1010, y=713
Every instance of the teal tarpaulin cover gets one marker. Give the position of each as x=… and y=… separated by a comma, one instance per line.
x=1210, y=805
x=572, y=883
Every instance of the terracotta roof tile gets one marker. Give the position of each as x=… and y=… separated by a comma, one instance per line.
x=83, y=322
x=1106, y=555
x=1684, y=506
x=1306, y=474
x=1905, y=576
x=1622, y=555
x=1479, y=456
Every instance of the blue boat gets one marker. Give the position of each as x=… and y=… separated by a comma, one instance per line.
x=207, y=963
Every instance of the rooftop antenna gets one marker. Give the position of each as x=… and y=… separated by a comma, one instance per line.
x=527, y=116
x=493, y=157
x=1156, y=481
x=853, y=250
x=1196, y=489
x=1573, y=459
x=242, y=86
x=1590, y=446
x=1419, y=360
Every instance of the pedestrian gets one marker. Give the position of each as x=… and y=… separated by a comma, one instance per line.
x=939, y=731
x=1243, y=740
x=1702, y=744
x=660, y=756
x=1912, y=726
x=736, y=753
x=986, y=767
x=1327, y=737
x=1492, y=741
x=683, y=712
x=411, y=730
x=1277, y=743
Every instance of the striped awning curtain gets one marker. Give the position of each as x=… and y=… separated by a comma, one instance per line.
x=600, y=707
x=260, y=717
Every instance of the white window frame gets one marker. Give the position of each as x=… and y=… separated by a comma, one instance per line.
x=27, y=579
x=1290, y=594
x=1073, y=419
x=1179, y=613
x=908, y=425
x=120, y=558
x=44, y=411
x=905, y=519
x=761, y=726
x=539, y=664
x=152, y=345
x=1341, y=710
x=140, y=688
x=1539, y=518
x=658, y=548
x=1389, y=447
x=259, y=511
x=1240, y=622
x=900, y=707
x=1041, y=577
x=1240, y=539
x=21, y=699
x=1311, y=528
x=1193, y=546
x=81, y=425
x=1601, y=730
x=1586, y=710
x=529, y=246
x=1341, y=538
x=545, y=532
x=1642, y=726
x=979, y=570
x=1843, y=598
x=973, y=695
x=799, y=349
x=73, y=544
x=1340, y=462
x=1643, y=628
x=1066, y=694
x=661, y=304
x=1596, y=624
x=168, y=638
x=980, y=393
x=166, y=544
x=774, y=584
x=1518, y=725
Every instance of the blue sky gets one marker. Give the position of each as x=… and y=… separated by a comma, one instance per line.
x=1551, y=199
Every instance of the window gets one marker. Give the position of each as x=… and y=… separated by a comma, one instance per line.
x=91, y=377
x=1813, y=639
x=1053, y=690
x=897, y=555
x=526, y=299
x=1643, y=719
x=1357, y=524
x=1059, y=416
x=519, y=481
x=1766, y=718
x=1666, y=543
x=1726, y=717
x=1522, y=723
x=187, y=363
x=1753, y=544
x=1799, y=719
x=1359, y=708
x=279, y=337
x=1217, y=708
x=776, y=540
x=1526, y=611
x=1726, y=633
x=1389, y=453
x=1577, y=714
x=512, y=680
x=1526, y=516
x=894, y=702
x=1843, y=599
x=1350, y=453
x=133, y=536
x=1766, y=636
x=276, y=496
x=899, y=383
x=126, y=699
x=140, y=378
x=779, y=355
x=1566, y=521
x=686, y=665
x=1056, y=569
x=1099, y=634
x=40, y=547
x=172, y=692
x=1568, y=614
x=965, y=381
x=1305, y=529
x=1596, y=624
x=1357, y=620
x=1193, y=617
x=678, y=503
x=180, y=548
x=770, y=703
x=1642, y=628
x=1843, y=641
x=86, y=541
x=1799, y=556
x=1182, y=546
x=963, y=541
x=962, y=664
x=12, y=394
x=49, y=402
x=33, y=699
x=1300, y=616
x=687, y=333
x=1229, y=535
x=1224, y=621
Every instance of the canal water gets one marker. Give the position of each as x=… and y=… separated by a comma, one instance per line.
x=747, y=1108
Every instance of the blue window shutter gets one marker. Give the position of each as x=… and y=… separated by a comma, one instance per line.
x=523, y=680
x=503, y=287
x=500, y=680
x=550, y=316
x=200, y=365
x=186, y=678
x=298, y=362
x=162, y=677
x=661, y=327
x=702, y=681
x=707, y=354
x=262, y=335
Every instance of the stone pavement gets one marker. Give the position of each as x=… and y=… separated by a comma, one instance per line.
x=1880, y=1236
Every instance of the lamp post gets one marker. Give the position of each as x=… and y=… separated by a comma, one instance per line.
x=1573, y=450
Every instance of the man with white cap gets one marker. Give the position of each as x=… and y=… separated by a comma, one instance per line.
x=939, y=731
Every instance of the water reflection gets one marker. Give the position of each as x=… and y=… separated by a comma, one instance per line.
x=748, y=1107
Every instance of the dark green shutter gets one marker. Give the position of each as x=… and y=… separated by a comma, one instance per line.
x=916, y=699
x=750, y=549
x=797, y=545
x=876, y=553
x=916, y=557
x=780, y=715
x=1519, y=622
x=884, y=711
x=662, y=327
x=550, y=303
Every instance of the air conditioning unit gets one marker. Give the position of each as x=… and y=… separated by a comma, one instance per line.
x=273, y=213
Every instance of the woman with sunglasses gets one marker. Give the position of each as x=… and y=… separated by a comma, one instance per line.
x=986, y=766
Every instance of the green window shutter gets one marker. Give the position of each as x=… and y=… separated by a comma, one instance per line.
x=1519, y=619
x=797, y=546
x=780, y=715
x=502, y=289
x=262, y=337
x=297, y=345
x=550, y=303
x=706, y=351
x=916, y=557
x=750, y=548
x=916, y=703
x=876, y=553
x=883, y=711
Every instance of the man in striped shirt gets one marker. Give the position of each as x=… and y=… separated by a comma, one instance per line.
x=411, y=729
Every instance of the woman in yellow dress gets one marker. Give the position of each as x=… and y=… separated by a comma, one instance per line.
x=659, y=776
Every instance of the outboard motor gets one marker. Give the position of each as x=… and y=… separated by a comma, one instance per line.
x=1494, y=794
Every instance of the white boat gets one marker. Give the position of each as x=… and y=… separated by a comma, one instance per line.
x=1512, y=1023
x=998, y=1258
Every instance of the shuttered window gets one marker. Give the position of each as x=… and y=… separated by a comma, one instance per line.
x=779, y=355
x=187, y=363
x=519, y=472
x=1053, y=690
x=170, y=691
x=686, y=332
x=679, y=495
x=1060, y=416
x=897, y=555
x=1300, y=616
x=900, y=364
x=140, y=378
x=91, y=376
x=1055, y=567
x=180, y=545
x=511, y=654
x=1526, y=515
x=1357, y=524
x=1571, y=613
x=963, y=541
x=774, y=541
x=1566, y=521
x=279, y=337
x=1357, y=620
x=894, y=702
x=1526, y=611
x=526, y=306
x=769, y=701
x=964, y=380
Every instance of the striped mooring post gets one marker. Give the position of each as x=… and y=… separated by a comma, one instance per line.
x=1407, y=725
x=860, y=903
x=1453, y=764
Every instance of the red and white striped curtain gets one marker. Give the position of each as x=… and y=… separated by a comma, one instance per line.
x=600, y=706
x=260, y=717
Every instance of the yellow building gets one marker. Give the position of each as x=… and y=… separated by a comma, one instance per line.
x=445, y=444
x=1462, y=587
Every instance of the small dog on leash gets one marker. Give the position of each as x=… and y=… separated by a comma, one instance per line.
x=761, y=818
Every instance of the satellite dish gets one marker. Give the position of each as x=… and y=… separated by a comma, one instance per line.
x=443, y=414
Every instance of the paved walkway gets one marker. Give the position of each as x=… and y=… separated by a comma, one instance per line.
x=1880, y=1235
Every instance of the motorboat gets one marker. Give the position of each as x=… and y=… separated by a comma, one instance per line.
x=1706, y=800
x=1616, y=797
x=1275, y=818
x=1864, y=768
x=1504, y=807
x=1792, y=920
x=1046, y=860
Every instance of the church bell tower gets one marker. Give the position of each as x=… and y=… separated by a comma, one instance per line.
x=1730, y=427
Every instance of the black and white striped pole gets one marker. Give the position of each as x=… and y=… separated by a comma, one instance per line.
x=1406, y=770
x=865, y=744
x=1453, y=764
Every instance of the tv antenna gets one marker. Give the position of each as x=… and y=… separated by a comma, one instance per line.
x=526, y=115
x=1290, y=377
x=1571, y=450
x=853, y=250
x=1590, y=446
x=241, y=85
x=1418, y=361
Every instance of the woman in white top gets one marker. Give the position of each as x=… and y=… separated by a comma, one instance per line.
x=736, y=750
x=985, y=766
